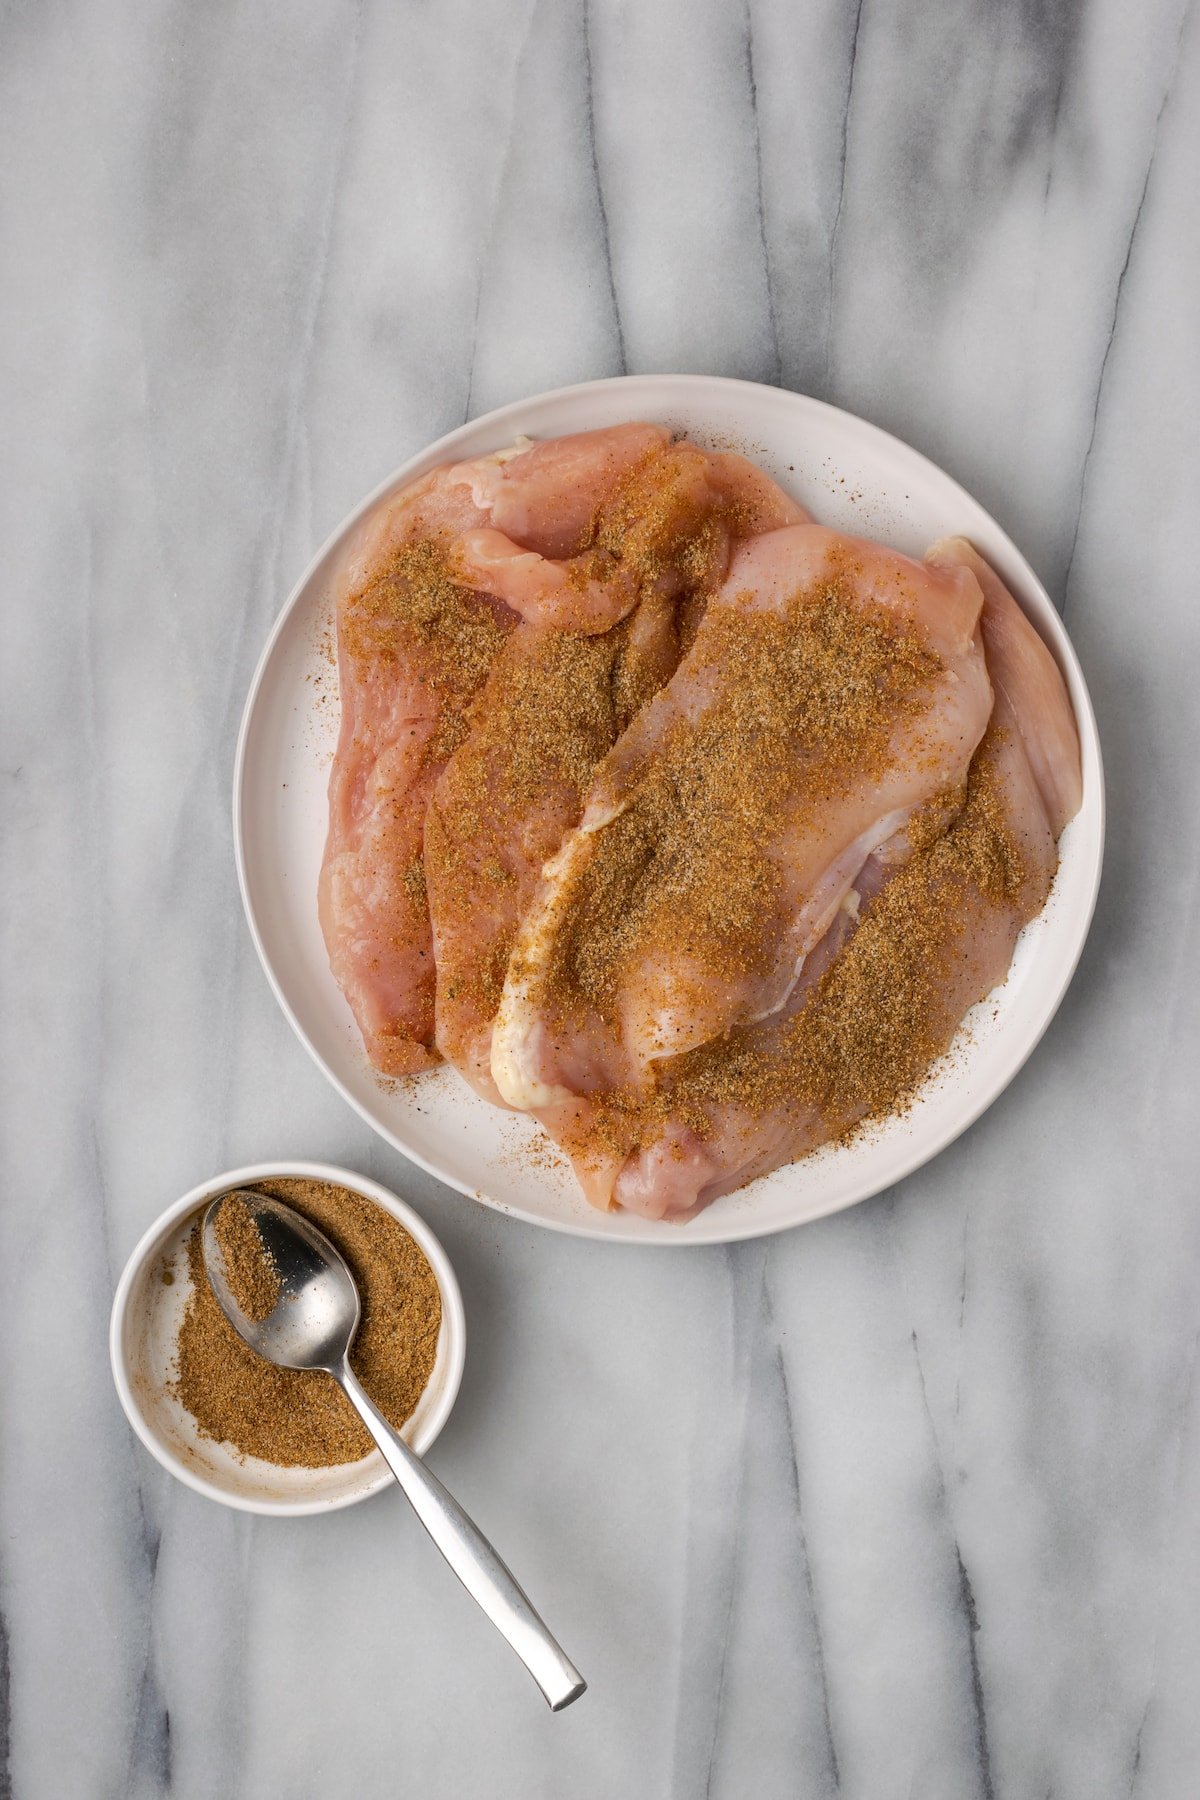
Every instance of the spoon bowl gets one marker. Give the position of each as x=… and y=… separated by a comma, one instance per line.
x=313, y=1322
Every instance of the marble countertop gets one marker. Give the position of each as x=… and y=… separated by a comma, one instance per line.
x=904, y=1504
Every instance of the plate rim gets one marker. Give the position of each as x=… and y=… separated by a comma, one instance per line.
x=661, y=1233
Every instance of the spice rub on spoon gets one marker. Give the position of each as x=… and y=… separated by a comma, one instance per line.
x=297, y=1304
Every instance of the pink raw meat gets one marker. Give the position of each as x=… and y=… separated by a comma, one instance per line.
x=553, y=705
x=414, y=647
x=672, y=1167
x=649, y=532
x=597, y=994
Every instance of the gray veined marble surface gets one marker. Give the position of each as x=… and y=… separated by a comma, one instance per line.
x=904, y=1504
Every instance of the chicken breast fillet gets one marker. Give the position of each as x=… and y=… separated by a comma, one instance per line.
x=415, y=644
x=884, y=992
x=667, y=526
x=834, y=694
x=553, y=705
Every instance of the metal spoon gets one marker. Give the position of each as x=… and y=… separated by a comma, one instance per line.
x=312, y=1327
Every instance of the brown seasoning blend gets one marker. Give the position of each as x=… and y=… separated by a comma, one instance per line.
x=249, y=1266
x=299, y=1418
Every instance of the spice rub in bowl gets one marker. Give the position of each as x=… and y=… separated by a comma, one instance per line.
x=300, y=1416
x=244, y=1437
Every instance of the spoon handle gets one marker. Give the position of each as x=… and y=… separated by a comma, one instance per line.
x=472, y=1558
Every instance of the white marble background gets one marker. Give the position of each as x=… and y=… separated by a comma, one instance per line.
x=905, y=1504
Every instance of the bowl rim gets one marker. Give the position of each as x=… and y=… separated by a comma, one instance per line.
x=148, y=1245
x=660, y=1235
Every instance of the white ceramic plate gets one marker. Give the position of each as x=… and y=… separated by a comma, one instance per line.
x=854, y=477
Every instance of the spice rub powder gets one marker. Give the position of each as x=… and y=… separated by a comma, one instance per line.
x=299, y=1418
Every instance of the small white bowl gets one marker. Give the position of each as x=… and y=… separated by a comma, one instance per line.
x=145, y=1327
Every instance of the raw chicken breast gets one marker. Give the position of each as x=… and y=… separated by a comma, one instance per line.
x=546, y=495
x=882, y=995
x=414, y=647
x=668, y=524
x=864, y=1033
x=553, y=705
x=833, y=697
x=713, y=822
x=1023, y=670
